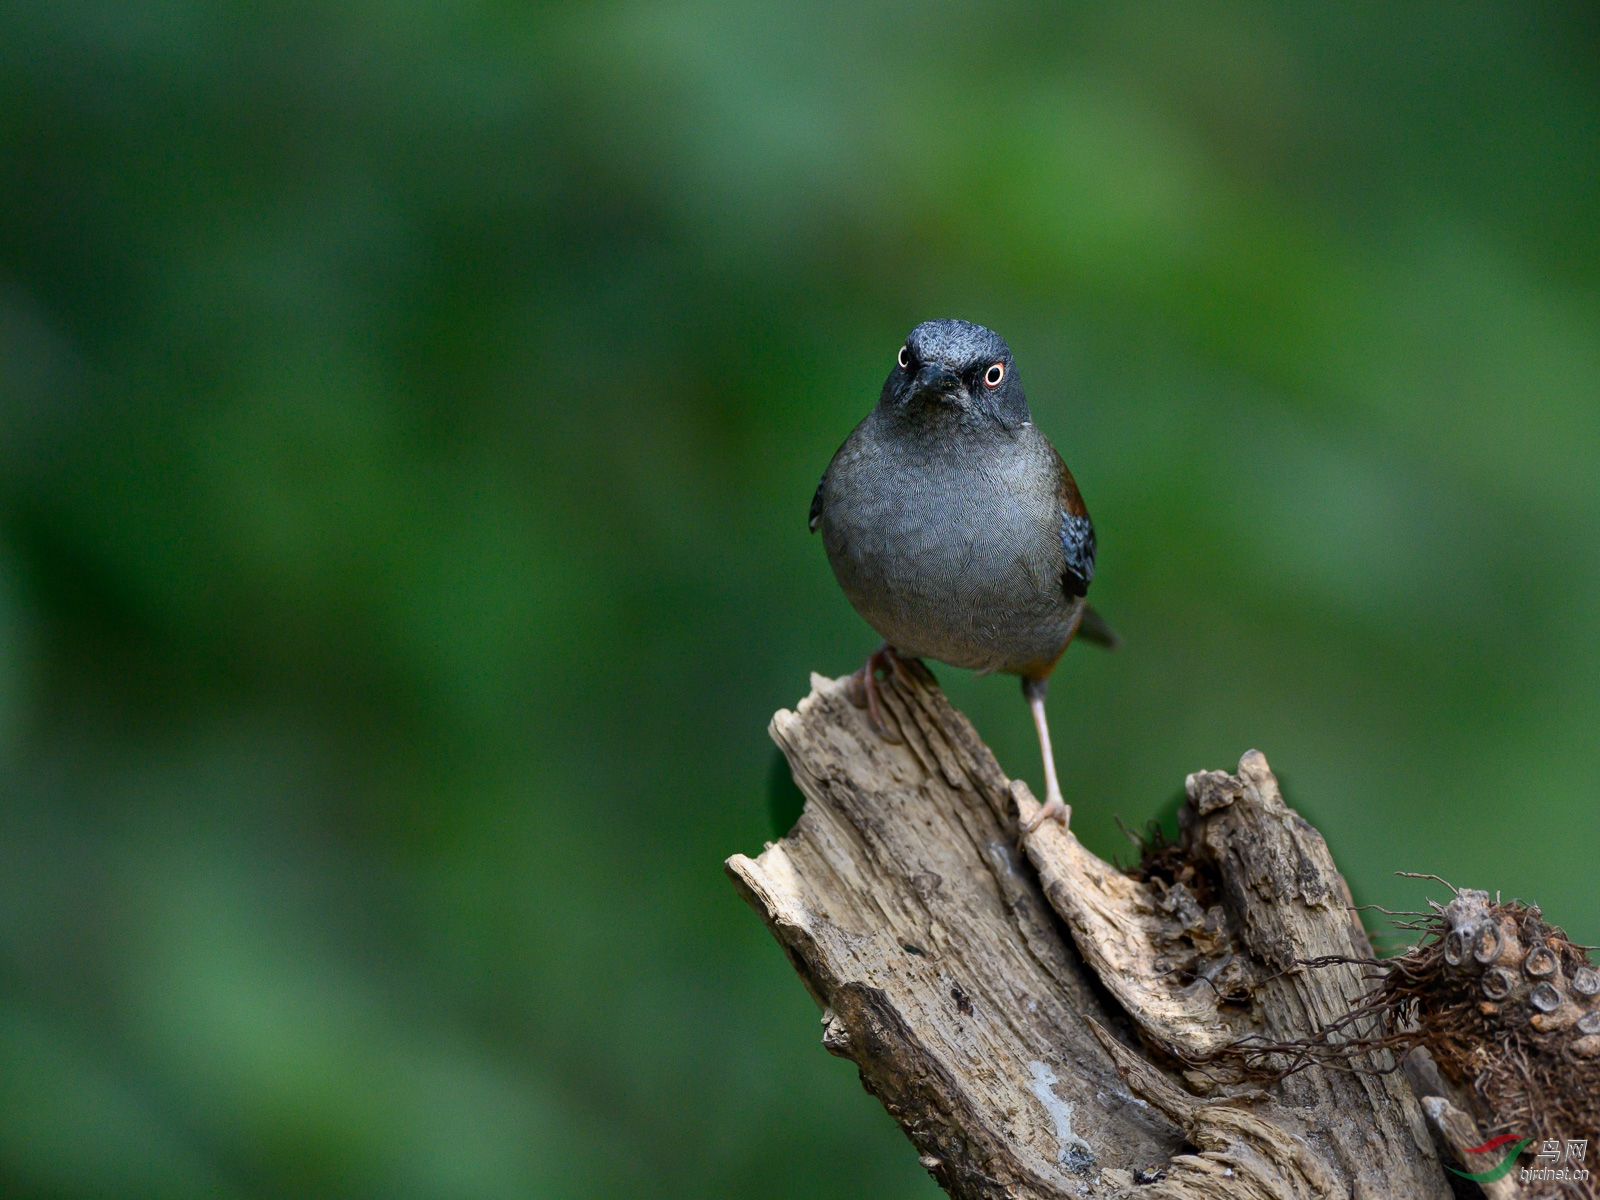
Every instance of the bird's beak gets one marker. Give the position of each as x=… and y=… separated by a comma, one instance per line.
x=936, y=380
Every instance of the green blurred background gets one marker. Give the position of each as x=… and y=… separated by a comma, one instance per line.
x=408, y=414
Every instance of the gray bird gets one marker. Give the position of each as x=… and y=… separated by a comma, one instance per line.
x=956, y=530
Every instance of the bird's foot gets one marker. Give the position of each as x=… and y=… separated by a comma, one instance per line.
x=863, y=688
x=1052, y=807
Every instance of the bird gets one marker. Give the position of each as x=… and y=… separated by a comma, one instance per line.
x=956, y=531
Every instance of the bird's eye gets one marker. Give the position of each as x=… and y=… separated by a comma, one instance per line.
x=905, y=358
x=995, y=374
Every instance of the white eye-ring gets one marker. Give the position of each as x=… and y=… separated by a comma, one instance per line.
x=995, y=374
x=905, y=358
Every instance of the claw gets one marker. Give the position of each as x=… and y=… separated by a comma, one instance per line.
x=863, y=689
x=1051, y=808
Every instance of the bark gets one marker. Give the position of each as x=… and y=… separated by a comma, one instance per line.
x=1042, y=1024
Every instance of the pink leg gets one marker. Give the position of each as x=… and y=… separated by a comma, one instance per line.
x=1053, y=806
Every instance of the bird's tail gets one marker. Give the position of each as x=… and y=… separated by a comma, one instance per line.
x=1093, y=628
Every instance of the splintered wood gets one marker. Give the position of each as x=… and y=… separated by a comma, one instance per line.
x=1047, y=1026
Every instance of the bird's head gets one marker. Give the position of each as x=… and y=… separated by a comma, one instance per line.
x=955, y=368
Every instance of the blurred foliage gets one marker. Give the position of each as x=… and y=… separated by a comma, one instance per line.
x=408, y=414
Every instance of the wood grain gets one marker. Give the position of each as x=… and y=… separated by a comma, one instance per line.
x=1033, y=1021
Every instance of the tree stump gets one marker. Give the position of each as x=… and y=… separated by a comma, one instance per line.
x=1044, y=1025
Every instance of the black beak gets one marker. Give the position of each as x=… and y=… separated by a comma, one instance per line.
x=938, y=380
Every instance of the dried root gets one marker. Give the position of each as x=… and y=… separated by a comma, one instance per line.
x=1506, y=1006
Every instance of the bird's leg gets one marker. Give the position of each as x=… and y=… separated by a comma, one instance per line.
x=1053, y=806
x=863, y=689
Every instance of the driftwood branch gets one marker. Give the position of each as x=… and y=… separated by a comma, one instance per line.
x=1045, y=1025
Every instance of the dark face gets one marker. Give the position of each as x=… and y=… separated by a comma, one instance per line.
x=958, y=369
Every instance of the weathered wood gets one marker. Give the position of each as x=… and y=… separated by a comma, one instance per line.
x=1288, y=903
x=918, y=928
x=1248, y=1146
x=1460, y=1131
x=1141, y=942
x=1283, y=902
x=1028, y=1054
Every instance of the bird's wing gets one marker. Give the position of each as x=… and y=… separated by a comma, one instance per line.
x=816, y=506
x=1077, y=543
x=1077, y=534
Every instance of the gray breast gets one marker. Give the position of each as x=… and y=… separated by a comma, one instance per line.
x=950, y=547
